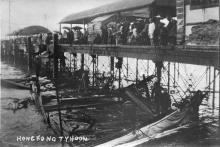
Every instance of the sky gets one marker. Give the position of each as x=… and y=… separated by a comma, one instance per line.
x=47, y=13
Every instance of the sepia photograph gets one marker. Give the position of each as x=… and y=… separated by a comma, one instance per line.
x=117, y=73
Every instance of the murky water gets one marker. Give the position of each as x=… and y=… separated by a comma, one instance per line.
x=22, y=122
x=28, y=122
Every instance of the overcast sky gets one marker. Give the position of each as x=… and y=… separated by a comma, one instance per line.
x=47, y=13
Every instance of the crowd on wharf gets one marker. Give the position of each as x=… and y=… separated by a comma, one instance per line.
x=148, y=31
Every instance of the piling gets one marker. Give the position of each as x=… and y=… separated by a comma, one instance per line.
x=93, y=70
x=136, y=71
x=30, y=53
x=56, y=79
x=213, y=94
x=112, y=62
x=82, y=62
x=174, y=74
x=168, y=75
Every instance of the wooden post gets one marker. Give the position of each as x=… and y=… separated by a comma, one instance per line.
x=119, y=66
x=174, y=76
x=147, y=67
x=70, y=63
x=136, y=71
x=97, y=63
x=74, y=62
x=209, y=79
x=219, y=68
x=112, y=62
x=82, y=62
x=178, y=71
x=127, y=68
x=30, y=53
x=213, y=98
x=56, y=79
x=168, y=84
x=93, y=71
x=119, y=78
x=159, y=65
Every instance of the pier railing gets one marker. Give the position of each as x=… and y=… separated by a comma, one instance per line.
x=200, y=55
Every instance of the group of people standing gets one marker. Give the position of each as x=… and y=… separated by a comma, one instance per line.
x=155, y=31
x=75, y=36
x=152, y=31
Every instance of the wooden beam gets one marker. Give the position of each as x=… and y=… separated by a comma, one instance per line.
x=191, y=55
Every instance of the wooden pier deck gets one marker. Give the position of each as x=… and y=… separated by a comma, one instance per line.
x=199, y=55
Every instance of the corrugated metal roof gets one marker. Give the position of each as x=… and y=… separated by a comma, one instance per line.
x=102, y=18
x=120, y=6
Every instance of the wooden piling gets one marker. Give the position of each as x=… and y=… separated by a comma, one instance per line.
x=127, y=68
x=147, y=67
x=168, y=74
x=56, y=79
x=136, y=71
x=74, y=61
x=209, y=79
x=82, y=62
x=70, y=63
x=30, y=53
x=93, y=71
x=174, y=75
x=213, y=94
x=112, y=62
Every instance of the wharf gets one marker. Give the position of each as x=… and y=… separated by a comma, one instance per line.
x=199, y=55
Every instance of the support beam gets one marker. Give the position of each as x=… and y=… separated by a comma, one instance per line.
x=30, y=53
x=127, y=68
x=74, y=61
x=82, y=61
x=214, y=81
x=209, y=79
x=168, y=81
x=112, y=66
x=148, y=67
x=70, y=62
x=174, y=75
x=56, y=78
x=136, y=71
x=93, y=70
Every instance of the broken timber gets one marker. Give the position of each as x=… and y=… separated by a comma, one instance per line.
x=50, y=108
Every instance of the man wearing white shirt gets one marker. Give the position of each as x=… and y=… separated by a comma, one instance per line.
x=151, y=30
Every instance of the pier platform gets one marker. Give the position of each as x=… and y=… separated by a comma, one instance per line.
x=199, y=55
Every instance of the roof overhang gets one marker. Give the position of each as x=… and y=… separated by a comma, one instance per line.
x=123, y=6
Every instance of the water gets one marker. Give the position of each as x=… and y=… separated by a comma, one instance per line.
x=28, y=122
x=205, y=133
x=22, y=122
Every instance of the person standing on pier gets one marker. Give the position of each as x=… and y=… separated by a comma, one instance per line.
x=151, y=30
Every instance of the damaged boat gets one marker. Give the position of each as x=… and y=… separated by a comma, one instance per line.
x=123, y=118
